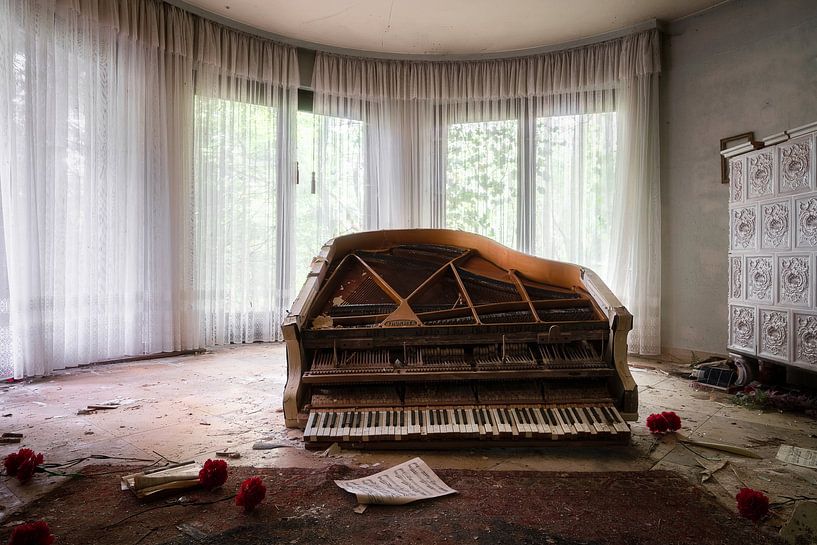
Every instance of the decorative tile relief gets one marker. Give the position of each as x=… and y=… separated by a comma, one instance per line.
x=759, y=177
x=736, y=179
x=736, y=277
x=774, y=225
x=806, y=210
x=742, y=327
x=774, y=333
x=805, y=339
x=759, y=279
x=794, y=280
x=795, y=166
x=744, y=229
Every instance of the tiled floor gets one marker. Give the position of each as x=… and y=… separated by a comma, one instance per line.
x=187, y=408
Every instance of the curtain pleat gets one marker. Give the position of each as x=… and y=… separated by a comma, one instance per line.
x=553, y=154
x=105, y=217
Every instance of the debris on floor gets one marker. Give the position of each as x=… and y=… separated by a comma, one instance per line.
x=798, y=456
x=716, y=373
x=732, y=449
x=263, y=445
x=175, y=477
x=9, y=438
x=404, y=483
x=802, y=526
x=227, y=454
x=92, y=409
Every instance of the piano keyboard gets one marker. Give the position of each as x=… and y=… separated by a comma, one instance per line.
x=525, y=422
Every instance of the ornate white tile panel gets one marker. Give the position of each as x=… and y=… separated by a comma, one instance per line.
x=775, y=225
x=796, y=160
x=743, y=228
x=759, y=279
x=737, y=179
x=760, y=174
x=736, y=277
x=806, y=222
x=773, y=249
x=793, y=280
x=742, y=328
x=805, y=339
x=773, y=333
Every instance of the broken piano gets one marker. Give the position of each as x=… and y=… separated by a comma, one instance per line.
x=431, y=338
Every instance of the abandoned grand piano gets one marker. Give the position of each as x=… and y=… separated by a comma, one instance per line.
x=431, y=338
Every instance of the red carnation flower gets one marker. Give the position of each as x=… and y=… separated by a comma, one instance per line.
x=656, y=423
x=213, y=474
x=673, y=420
x=23, y=464
x=752, y=504
x=251, y=493
x=33, y=533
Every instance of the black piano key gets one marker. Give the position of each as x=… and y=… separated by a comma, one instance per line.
x=370, y=420
x=445, y=417
x=421, y=414
x=432, y=421
x=402, y=419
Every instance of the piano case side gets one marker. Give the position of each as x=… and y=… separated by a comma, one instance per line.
x=294, y=390
x=621, y=323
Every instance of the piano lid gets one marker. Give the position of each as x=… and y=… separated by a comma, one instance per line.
x=465, y=280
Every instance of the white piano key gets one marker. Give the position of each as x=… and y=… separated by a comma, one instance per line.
x=578, y=423
x=500, y=427
x=519, y=424
x=566, y=424
x=586, y=421
x=424, y=414
x=541, y=416
x=310, y=426
x=621, y=424
x=457, y=423
x=347, y=425
x=600, y=416
x=556, y=423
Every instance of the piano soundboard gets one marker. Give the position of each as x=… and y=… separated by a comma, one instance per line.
x=440, y=339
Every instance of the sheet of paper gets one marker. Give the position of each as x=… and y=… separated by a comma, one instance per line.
x=401, y=484
x=797, y=456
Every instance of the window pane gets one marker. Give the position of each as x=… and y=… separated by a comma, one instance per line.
x=331, y=193
x=481, y=179
x=575, y=177
x=235, y=157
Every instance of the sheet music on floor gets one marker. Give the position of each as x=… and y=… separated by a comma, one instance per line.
x=798, y=456
x=405, y=483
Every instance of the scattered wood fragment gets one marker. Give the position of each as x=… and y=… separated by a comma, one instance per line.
x=226, y=454
x=10, y=438
x=719, y=446
x=263, y=445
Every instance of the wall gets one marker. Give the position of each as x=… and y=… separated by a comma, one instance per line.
x=746, y=65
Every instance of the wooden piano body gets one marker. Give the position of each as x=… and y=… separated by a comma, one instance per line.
x=435, y=338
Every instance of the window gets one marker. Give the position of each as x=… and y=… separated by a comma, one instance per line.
x=481, y=179
x=331, y=194
x=575, y=177
x=236, y=189
x=572, y=175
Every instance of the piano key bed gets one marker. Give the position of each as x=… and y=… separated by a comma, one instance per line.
x=454, y=427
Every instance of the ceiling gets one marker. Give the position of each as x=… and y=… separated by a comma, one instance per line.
x=446, y=27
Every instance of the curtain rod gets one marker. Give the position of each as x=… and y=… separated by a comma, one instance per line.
x=311, y=46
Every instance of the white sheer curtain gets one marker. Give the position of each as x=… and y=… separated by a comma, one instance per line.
x=243, y=185
x=85, y=187
x=549, y=153
x=97, y=196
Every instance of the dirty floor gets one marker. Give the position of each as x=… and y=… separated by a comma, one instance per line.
x=190, y=407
